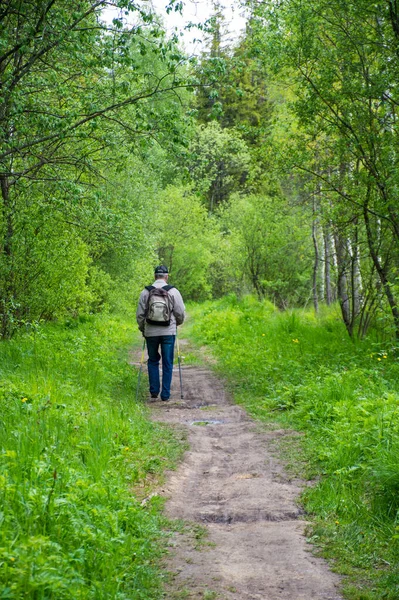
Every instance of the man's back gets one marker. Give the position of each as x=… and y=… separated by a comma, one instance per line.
x=176, y=318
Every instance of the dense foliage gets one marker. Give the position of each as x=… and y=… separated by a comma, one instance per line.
x=82, y=100
x=339, y=60
x=304, y=372
x=286, y=138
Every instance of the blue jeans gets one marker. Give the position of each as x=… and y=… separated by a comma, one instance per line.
x=167, y=343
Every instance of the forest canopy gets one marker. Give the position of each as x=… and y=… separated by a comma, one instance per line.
x=266, y=165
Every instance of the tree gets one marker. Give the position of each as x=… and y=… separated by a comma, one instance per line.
x=271, y=248
x=238, y=97
x=187, y=241
x=341, y=60
x=69, y=82
x=219, y=163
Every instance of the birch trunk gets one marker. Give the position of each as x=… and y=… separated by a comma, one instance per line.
x=328, y=292
x=342, y=283
x=315, y=263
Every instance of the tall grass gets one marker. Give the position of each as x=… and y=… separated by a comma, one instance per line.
x=74, y=447
x=305, y=372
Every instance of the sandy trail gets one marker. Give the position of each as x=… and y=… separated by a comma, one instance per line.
x=231, y=483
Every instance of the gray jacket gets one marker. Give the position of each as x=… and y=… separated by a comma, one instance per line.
x=177, y=316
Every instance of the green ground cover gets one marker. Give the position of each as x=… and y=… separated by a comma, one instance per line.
x=304, y=372
x=76, y=449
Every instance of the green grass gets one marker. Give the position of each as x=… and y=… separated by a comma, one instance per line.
x=304, y=372
x=77, y=456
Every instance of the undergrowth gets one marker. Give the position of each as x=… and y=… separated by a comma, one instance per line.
x=75, y=446
x=305, y=372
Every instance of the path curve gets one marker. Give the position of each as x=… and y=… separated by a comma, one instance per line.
x=230, y=482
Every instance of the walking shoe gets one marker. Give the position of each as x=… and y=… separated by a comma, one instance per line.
x=154, y=395
x=164, y=399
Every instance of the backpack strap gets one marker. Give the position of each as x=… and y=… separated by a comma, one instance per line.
x=166, y=287
x=149, y=287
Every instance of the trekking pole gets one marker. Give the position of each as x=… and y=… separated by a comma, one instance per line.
x=141, y=368
x=179, y=363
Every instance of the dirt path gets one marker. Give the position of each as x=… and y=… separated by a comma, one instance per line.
x=230, y=483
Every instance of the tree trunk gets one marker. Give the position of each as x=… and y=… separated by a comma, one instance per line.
x=316, y=260
x=356, y=280
x=328, y=294
x=6, y=277
x=382, y=271
x=342, y=283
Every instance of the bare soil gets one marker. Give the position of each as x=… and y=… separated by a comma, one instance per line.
x=231, y=483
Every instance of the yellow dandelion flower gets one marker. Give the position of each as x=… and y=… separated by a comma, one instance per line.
x=12, y=558
x=378, y=358
x=126, y=448
x=385, y=356
x=337, y=522
x=24, y=399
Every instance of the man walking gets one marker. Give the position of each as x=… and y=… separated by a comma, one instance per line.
x=159, y=312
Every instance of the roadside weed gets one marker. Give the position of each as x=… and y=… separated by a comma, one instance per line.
x=210, y=595
x=74, y=448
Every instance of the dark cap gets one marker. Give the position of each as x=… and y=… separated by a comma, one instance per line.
x=161, y=270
